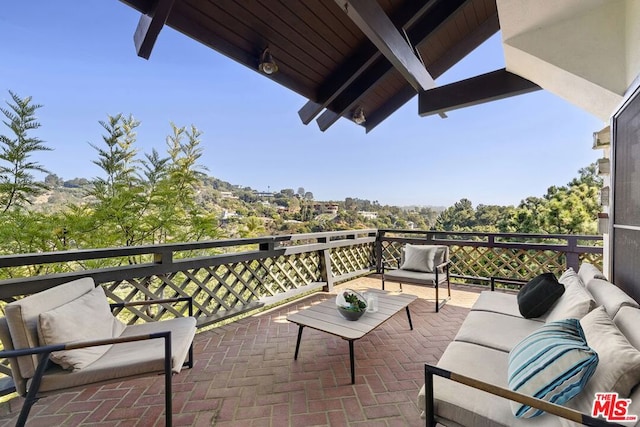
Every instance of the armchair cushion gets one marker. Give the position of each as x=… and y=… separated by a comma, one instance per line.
x=22, y=317
x=415, y=277
x=85, y=318
x=553, y=363
x=423, y=258
x=129, y=359
x=419, y=258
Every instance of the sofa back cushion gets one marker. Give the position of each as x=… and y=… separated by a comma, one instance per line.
x=627, y=320
x=574, y=303
x=587, y=272
x=22, y=317
x=610, y=296
x=619, y=367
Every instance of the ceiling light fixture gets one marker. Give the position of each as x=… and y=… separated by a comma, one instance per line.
x=267, y=64
x=358, y=116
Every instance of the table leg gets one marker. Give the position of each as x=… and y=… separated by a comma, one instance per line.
x=300, y=327
x=409, y=317
x=351, y=359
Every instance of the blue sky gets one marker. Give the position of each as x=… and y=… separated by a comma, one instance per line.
x=77, y=59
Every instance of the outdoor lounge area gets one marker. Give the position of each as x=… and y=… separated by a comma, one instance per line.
x=245, y=371
x=244, y=374
x=252, y=363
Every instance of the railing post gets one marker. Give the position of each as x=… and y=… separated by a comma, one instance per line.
x=572, y=256
x=267, y=246
x=326, y=273
x=378, y=251
x=165, y=257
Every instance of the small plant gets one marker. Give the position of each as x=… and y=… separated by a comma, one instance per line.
x=355, y=303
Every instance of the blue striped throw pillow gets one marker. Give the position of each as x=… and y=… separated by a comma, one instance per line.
x=553, y=363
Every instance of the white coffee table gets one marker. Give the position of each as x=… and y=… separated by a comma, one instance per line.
x=325, y=317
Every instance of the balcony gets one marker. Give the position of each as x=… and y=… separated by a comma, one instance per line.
x=244, y=371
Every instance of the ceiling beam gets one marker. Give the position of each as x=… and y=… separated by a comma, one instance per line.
x=358, y=63
x=149, y=27
x=437, y=68
x=419, y=30
x=488, y=87
x=376, y=25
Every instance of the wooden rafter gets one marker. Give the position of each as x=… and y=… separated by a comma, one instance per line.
x=487, y=87
x=376, y=25
x=420, y=28
x=149, y=27
x=462, y=49
x=358, y=63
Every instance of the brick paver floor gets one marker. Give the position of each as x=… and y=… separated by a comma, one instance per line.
x=245, y=375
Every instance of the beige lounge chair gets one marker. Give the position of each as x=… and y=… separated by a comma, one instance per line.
x=66, y=338
x=426, y=265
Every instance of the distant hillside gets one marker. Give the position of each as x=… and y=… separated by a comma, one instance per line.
x=282, y=211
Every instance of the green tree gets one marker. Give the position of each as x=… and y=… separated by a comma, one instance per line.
x=459, y=217
x=17, y=183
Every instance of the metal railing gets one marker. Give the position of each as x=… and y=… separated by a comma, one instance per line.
x=224, y=277
x=476, y=257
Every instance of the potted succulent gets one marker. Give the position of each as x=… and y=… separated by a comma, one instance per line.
x=351, y=304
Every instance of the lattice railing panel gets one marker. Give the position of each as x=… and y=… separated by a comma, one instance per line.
x=215, y=289
x=503, y=262
x=391, y=252
x=484, y=262
x=349, y=259
x=595, y=259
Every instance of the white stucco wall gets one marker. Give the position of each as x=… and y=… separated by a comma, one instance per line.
x=585, y=51
x=632, y=39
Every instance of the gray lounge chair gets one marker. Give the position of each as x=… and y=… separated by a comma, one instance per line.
x=98, y=348
x=426, y=265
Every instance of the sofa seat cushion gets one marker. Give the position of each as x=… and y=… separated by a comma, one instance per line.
x=576, y=301
x=493, y=330
x=458, y=404
x=85, y=318
x=553, y=363
x=22, y=316
x=611, y=297
x=130, y=359
x=500, y=302
x=408, y=276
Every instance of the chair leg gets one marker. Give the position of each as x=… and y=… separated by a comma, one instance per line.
x=31, y=398
x=168, y=393
x=400, y=286
x=383, y=281
x=437, y=299
x=189, y=362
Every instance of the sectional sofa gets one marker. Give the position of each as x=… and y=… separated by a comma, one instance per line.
x=611, y=323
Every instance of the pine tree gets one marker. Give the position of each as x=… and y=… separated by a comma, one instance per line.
x=17, y=183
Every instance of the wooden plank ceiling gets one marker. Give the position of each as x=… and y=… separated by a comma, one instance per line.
x=342, y=55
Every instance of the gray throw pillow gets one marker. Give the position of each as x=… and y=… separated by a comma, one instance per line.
x=420, y=258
